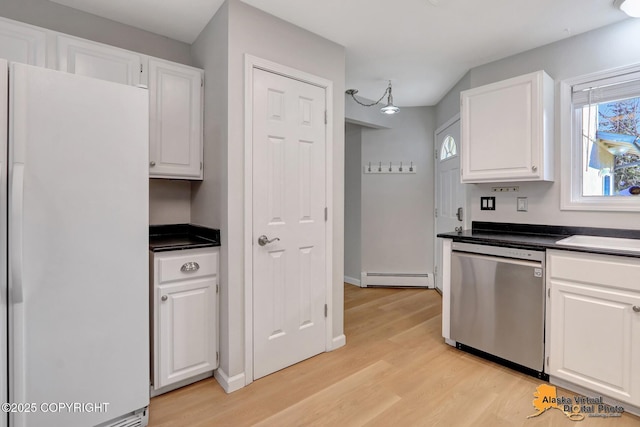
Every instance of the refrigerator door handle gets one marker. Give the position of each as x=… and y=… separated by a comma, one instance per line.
x=15, y=231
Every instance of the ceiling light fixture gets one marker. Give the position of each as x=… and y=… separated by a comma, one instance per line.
x=387, y=109
x=630, y=7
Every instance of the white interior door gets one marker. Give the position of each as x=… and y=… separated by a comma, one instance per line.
x=450, y=193
x=289, y=200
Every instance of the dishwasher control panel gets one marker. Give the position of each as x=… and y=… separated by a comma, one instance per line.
x=525, y=254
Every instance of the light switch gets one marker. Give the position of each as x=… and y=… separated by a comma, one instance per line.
x=522, y=204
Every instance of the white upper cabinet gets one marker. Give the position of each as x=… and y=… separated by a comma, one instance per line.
x=176, y=120
x=22, y=43
x=97, y=60
x=507, y=130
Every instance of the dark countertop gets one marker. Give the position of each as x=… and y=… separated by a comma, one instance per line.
x=538, y=237
x=182, y=236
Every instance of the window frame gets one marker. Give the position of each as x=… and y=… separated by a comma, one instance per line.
x=571, y=152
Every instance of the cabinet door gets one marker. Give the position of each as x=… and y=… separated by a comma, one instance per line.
x=594, y=326
x=506, y=131
x=187, y=330
x=22, y=43
x=97, y=60
x=175, y=135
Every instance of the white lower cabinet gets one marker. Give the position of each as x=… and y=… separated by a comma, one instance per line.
x=185, y=311
x=595, y=322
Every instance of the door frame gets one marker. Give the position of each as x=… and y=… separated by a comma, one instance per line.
x=250, y=63
x=436, y=160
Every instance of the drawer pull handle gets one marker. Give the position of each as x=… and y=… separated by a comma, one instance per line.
x=636, y=309
x=188, y=267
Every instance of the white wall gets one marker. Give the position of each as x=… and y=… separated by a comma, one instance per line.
x=352, y=203
x=609, y=47
x=397, y=209
x=251, y=31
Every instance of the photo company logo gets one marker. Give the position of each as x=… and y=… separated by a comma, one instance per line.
x=576, y=408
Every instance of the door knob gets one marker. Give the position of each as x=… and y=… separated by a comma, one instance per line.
x=264, y=240
x=164, y=298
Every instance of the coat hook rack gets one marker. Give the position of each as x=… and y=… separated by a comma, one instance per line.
x=395, y=167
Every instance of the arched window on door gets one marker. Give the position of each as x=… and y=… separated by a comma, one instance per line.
x=449, y=148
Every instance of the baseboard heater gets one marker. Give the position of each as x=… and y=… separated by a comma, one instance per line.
x=399, y=280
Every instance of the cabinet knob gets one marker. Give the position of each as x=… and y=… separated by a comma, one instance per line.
x=164, y=298
x=152, y=163
x=636, y=309
x=534, y=168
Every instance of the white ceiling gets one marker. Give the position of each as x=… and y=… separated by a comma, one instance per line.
x=423, y=46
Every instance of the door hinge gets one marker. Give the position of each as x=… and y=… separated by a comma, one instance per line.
x=217, y=357
x=436, y=154
x=549, y=292
x=435, y=271
x=326, y=310
x=325, y=117
x=201, y=81
x=326, y=214
x=435, y=213
x=217, y=288
x=547, y=361
x=200, y=165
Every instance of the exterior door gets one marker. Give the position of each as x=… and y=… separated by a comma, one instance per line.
x=450, y=193
x=289, y=199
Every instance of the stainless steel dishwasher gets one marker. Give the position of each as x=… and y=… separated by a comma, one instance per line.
x=497, y=304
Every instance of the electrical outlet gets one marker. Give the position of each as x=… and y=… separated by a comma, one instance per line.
x=487, y=203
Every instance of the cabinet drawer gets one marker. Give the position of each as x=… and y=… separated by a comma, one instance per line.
x=187, y=266
x=594, y=269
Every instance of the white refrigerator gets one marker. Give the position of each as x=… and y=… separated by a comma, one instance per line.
x=74, y=229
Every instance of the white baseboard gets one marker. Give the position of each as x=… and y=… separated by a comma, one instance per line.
x=229, y=384
x=422, y=280
x=351, y=280
x=337, y=342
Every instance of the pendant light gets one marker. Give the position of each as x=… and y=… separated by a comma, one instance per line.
x=389, y=108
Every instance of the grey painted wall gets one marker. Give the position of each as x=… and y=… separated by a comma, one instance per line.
x=288, y=45
x=53, y=16
x=397, y=210
x=366, y=116
x=605, y=48
x=352, y=201
x=449, y=105
x=168, y=200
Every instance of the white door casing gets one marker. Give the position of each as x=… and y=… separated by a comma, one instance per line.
x=450, y=193
x=290, y=278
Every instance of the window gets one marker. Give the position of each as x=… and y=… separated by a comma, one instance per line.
x=601, y=141
x=448, y=148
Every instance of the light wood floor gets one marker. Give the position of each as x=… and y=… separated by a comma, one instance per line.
x=394, y=371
